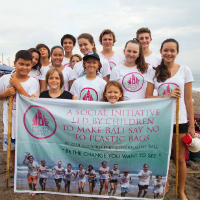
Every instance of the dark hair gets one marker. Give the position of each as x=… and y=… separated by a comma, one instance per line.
x=158, y=176
x=71, y=37
x=104, y=32
x=43, y=46
x=90, y=166
x=69, y=164
x=38, y=65
x=142, y=66
x=98, y=70
x=30, y=157
x=89, y=38
x=80, y=165
x=43, y=161
x=162, y=72
x=143, y=30
x=145, y=165
x=103, y=162
x=55, y=47
x=23, y=54
x=116, y=84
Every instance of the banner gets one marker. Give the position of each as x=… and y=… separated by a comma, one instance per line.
x=93, y=149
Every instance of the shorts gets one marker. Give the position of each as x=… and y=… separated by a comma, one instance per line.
x=143, y=187
x=113, y=181
x=58, y=180
x=42, y=180
x=5, y=143
x=66, y=181
x=32, y=179
x=183, y=128
x=92, y=181
x=103, y=180
x=82, y=180
x=124, y=189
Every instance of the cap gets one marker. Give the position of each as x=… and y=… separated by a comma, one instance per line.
x=91, y=54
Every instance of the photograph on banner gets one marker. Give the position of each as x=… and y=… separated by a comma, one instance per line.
x=97, y=148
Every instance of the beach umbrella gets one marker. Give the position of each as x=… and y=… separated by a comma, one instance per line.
x=6, y=68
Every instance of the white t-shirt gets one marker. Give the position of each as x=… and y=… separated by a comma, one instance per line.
x=115, y=174
x=116, y=59
x=81, y=175
x=67, y=71
x=92, y=172
x=34, y=73
x=68, y=175
x=154, y=59
x=78, y=70
x=32, y=168
x=105, y=173
x=65, y=62
x=43, y=70
x=182, y=76
x=159, y=188
x=144, y=180
x=59, y=172
x=133, y=82
x=125, y=181
x=31, y=86
x=43, y=171
x=88, y=90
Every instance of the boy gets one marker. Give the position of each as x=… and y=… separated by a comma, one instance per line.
x=107, y=40
x=68, y=43
x=10, y=84
x=125, y=179
x=144, y=36
x=43, y=169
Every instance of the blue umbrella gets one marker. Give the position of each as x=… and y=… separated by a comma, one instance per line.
x=6, y=68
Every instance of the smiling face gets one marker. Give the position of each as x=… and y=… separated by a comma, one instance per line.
x=85, y=46
x=91, y=65
x=131, y=52
x=104, y=164
x=75, y=59
x=169, y=52
x=68, y=45
x=144, y=39
x=57, y=57
x=107, y=41
x=23, y=67
x=113, y=94
x=35, y=58
x=54, y=81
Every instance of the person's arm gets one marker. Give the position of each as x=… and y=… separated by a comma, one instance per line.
x=43, y=86
x=7, y=93
x=70, y=83
x=75, y=176
x=23, y=162
x=106, y=78
x=53, y=172
x=189, y=107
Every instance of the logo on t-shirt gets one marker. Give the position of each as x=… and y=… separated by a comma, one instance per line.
x=89, y=94
x=166, y=88
x=112, y=65
x=133, y=81
x=43, y=123
x=67, y=64
x=83, y=73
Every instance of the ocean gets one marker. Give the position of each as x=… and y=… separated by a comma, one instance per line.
x=196, y=83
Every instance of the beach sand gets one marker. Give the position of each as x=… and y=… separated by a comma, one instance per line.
x=192, y=183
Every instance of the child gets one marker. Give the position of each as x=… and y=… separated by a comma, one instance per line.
x=144, y=177
x=172, y=80
x=125, y=180
x=91, y=178
x=144, y=36
x=67, y=177
x=87, y=45
x=107, y=40
x=133, y=73
x=43, y=169
x=104, y=176
x=57, y=59
x=158, y=186
x=32, y=172
x=89, y=87
x=68, y=43
x=19, y=82
x=58, y=173
x=113, y=92
x=114, y=174
x=36, y=65
x=74, y=59
x=81, y=178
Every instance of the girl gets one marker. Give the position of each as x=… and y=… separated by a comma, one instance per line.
x=125, y=181
x=133, y=73
x=74, y=59
x=81, y=179
x=158, y=186
x=107, y=40
x=57, y=58
x=55, y=81
x=43, y=169
x=103, y=171
x=36, y=65
x=91, y=178
x=175, y=81
x=87, y=45
x=58, y=173
x=67, y=178
x=89, y=87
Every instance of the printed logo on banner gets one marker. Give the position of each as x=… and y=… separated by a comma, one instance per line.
x=43, y=123
x=133, y=82
x=89, y=94
x=112, y=65
x=166, y=88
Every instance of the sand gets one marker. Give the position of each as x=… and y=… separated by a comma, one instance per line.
x=192, y=183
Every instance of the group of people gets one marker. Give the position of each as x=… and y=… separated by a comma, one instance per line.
x=104, y=76
x=106, y=176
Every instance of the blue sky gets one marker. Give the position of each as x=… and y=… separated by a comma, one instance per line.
x=25, y=23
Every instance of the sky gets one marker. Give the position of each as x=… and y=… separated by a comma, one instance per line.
x=25, y=23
